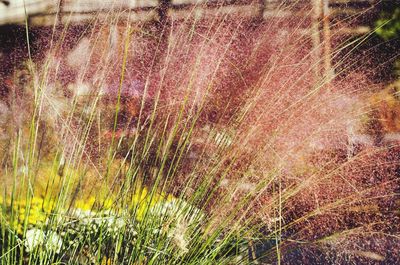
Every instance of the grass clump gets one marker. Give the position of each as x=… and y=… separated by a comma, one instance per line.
x=213, y=145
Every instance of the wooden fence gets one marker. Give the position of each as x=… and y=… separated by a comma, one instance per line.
x=44, y=12
x=323, y=14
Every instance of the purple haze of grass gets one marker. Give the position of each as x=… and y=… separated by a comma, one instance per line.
x=255, y=84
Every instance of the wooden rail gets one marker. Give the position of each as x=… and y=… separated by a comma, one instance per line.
x=323, y=15
x=44, y=12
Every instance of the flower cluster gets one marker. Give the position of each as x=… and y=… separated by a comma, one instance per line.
x=34, y=211
x=50, y=230
x=36, y=238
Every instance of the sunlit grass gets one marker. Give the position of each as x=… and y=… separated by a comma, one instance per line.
x=209, y=156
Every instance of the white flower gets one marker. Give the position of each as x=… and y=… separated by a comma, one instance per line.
x=54, y=242
x=114, y=224
x=119, y=223
x=34, y=238
x=83, y=215
x=177, y=208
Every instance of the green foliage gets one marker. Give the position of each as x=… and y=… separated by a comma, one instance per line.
x=389, y=24
x=388, y=28
x=162, y=228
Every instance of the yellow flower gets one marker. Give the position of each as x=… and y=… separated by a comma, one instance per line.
x=37, y=201
x=85, y=204
x=108, y=203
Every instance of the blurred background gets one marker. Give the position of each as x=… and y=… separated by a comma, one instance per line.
x=346, y=36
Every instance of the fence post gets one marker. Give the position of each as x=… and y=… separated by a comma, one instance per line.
x=321, y=39
x=328, y=71
x=316, y=6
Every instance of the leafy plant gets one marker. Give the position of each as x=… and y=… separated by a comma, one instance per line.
x=389, y=24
